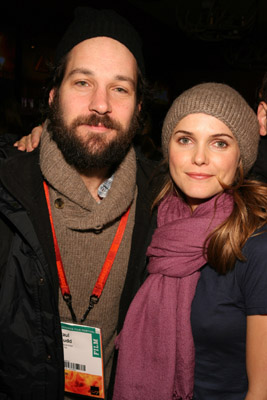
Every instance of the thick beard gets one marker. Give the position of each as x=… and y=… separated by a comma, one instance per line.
x=96, y=151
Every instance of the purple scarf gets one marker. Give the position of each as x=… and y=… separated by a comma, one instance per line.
x=156, y=349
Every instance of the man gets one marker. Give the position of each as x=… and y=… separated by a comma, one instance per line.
x=259, y=170
x=81, y=182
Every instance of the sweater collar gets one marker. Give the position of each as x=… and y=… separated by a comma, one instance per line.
x=67, y=182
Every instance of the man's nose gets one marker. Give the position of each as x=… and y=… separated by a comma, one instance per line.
x=100, y=101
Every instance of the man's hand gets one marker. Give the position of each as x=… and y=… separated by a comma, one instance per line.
x=31, y=141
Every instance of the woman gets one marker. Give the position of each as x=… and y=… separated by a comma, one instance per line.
x=197, y=328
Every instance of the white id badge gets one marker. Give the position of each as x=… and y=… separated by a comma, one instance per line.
x=83, y=360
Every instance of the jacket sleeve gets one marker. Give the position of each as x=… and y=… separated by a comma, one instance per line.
x=6, y=145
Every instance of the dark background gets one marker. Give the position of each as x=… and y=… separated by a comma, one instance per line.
x=185, y=42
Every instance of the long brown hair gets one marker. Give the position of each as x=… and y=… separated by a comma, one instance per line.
x=224, y=245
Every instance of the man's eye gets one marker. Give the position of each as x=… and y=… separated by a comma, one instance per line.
x=121, y=90
x=81, y=83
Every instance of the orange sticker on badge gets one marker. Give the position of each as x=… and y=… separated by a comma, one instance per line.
x=84, y=384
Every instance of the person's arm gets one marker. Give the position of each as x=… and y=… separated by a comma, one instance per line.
x=256, y=357
x=31, y=141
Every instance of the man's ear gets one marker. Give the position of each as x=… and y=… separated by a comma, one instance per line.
x=51, y=96
x=261, y=114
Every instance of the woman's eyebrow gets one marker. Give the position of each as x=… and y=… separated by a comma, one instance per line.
x=215, y=135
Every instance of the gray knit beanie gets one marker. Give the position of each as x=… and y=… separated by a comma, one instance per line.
x=222, y=102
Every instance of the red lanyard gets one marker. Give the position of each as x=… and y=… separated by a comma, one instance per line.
x=103, y=276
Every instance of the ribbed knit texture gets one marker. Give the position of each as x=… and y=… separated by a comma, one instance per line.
x=222, y=102
x=85, y=230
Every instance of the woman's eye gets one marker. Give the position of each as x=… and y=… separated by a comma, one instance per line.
x=220, y=144
x=184, y=140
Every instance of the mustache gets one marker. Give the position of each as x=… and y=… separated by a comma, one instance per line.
x=95, y=120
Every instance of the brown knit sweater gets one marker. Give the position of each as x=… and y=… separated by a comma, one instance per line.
x=85, y=230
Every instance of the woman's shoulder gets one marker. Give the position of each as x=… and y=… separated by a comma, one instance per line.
x=257, y=242
x=251, y=274
x=255, y=253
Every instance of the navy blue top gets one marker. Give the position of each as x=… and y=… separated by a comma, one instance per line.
x=218, y=318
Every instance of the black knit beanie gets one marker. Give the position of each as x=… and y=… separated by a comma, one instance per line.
x=89, y=23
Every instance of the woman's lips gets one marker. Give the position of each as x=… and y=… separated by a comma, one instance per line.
x=198, y=176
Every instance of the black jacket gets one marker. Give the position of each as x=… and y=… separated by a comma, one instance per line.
x=259, y=169
x=31, y=351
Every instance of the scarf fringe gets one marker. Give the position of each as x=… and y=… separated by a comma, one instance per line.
x=175, y=396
